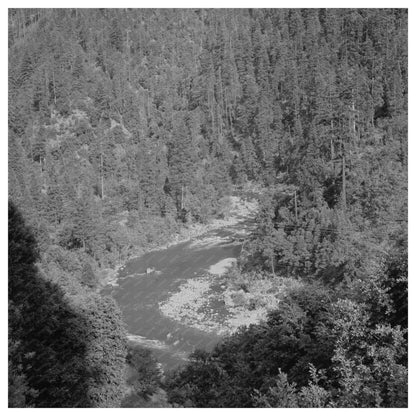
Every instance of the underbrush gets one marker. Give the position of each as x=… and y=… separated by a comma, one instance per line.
x=144, y=380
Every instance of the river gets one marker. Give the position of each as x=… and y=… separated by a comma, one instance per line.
x=139, y=294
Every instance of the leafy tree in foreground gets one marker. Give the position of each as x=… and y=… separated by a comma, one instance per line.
x=314, y=351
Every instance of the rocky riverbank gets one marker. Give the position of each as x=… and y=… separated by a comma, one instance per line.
x=222, y=303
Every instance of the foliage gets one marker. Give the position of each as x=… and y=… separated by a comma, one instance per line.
x=316, y=350
x=146, y=378
x=66, y=351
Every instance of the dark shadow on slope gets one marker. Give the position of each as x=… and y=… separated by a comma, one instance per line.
x=48, y=334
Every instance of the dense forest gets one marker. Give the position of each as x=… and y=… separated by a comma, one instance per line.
x=127, y=124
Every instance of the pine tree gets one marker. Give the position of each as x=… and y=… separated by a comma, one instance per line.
x=116, y=36
x=181, y=161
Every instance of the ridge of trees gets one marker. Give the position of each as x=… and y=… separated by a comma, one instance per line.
x=110, y=112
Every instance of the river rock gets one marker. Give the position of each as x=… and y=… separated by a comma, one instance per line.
x=240, y=298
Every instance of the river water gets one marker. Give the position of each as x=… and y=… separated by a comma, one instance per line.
x=139, y=294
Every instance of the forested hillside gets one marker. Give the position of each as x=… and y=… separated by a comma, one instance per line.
x=125, y=124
